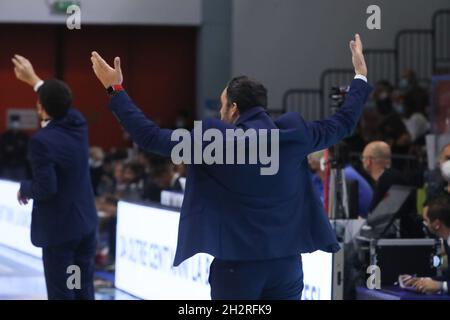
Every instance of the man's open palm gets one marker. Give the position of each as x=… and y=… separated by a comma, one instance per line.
x=108, y=76
x=357, y=56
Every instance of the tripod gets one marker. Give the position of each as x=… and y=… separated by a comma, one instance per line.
x=338, y=195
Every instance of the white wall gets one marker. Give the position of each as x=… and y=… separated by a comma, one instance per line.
x=159, y=12
x=289, y=43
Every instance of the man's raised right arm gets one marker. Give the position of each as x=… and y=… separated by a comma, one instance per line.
x=142, y=130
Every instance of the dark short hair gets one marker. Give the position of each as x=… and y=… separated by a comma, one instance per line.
x=439, y=209
x=55, y=97
x=246, y=93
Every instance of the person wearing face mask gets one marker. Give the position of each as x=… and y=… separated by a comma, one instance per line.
x=409, y=85
x=64, y=218
x=437, y=220
x=438, y=180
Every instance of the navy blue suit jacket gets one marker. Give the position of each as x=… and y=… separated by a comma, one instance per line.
x=63, y=206
x=234, y=213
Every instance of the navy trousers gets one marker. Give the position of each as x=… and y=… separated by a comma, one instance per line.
x=57, y=260
x=277, y=279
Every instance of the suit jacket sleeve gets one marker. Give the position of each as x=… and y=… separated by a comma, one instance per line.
x=142, y=130
x=325, y=133
x=44, y=183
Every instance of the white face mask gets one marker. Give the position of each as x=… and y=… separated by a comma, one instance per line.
x=44, y=123
x=445, y=170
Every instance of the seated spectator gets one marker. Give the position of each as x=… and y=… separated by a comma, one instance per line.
x=96, y=157
x=382, y=96
x=376, y=160
x=409, y=85
x=163, y=177
x=365, y=193
x=364, y=188
x=437, y=220
x=438, y=180
x=415, y=122
x=132, y=185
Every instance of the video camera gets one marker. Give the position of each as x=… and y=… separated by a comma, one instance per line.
x=337, y=95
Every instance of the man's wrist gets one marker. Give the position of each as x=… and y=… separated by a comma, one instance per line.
x=114, y=89
x=361, y=76
x=37, y=84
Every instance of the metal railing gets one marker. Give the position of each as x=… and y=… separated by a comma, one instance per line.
x=415, y=51
x=427, y=52
x=308, y=102
x=381, y=64
x=441, y=42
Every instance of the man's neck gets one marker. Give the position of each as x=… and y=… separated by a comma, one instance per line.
x=377, y=173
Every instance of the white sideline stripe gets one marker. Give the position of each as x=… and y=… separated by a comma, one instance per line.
x=22, y=258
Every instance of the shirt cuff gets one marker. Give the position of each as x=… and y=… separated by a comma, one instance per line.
x=38, y=85
x=445, y=287
x=360, y=76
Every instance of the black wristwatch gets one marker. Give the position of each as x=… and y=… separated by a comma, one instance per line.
x=112, y=90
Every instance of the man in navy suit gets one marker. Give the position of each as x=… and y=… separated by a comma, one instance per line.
x=254, y=225
x=64, y=218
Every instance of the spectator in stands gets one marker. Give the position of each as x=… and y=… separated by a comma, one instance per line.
x=376, y=159
x=164, y=177
x=438, y=180
x=409, y=85
x=132, y=185
x=13, y=153
x=415, y=121
x=364, y=189
x=316, y=164
x=437, y=219
x=365, y=193
x=382, y=96
x=96, y=157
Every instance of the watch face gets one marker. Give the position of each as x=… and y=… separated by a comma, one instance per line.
x=110, y=90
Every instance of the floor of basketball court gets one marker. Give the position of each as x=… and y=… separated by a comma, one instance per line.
x=22, y=278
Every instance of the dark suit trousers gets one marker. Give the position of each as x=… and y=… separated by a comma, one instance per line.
x=60, y=280
x=277, y=279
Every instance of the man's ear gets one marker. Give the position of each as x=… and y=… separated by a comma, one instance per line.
x=39, y=107
x=235, y=110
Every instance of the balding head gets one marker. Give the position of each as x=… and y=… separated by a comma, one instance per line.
x=376, y=158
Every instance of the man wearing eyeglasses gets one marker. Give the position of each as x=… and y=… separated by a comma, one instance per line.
x=376, y=160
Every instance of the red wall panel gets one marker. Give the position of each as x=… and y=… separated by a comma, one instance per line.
x=37, y=43
x=158, y=65
x=159, y=73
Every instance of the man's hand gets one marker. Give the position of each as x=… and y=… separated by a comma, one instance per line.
x=357, y=56
x=428, y=285
x=22, y=200
x=107, y=75
x=410, y=281
x=24, y=70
